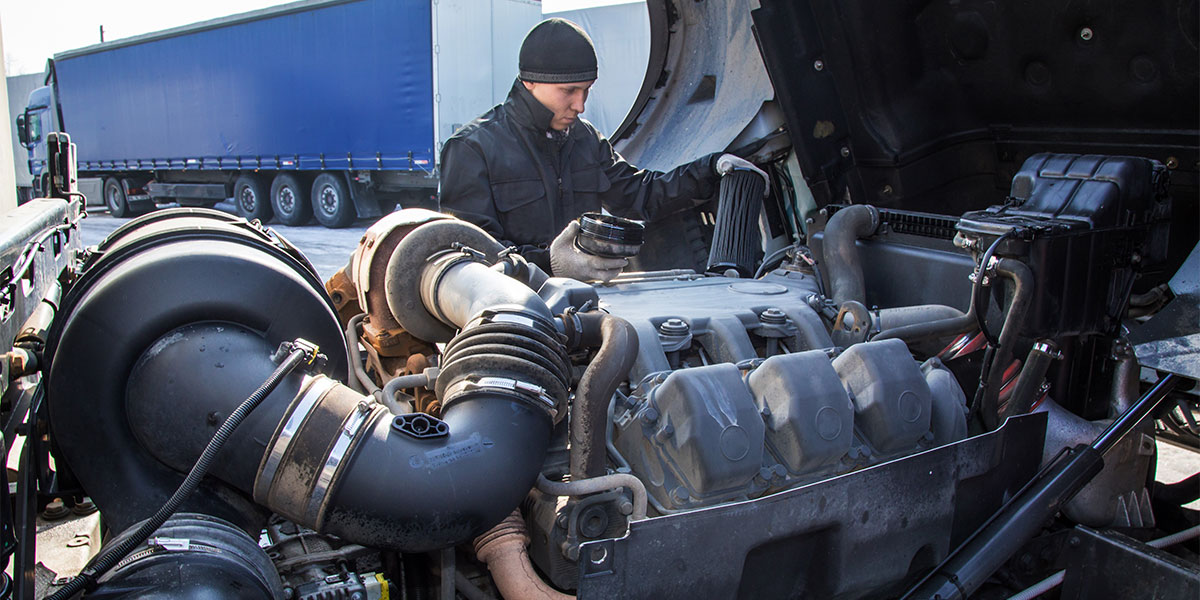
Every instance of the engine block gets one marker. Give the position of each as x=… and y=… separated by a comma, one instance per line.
x=739, y=391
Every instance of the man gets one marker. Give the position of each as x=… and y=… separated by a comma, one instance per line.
x=529, y=167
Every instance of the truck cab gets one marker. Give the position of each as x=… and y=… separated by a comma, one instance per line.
x=32, y=127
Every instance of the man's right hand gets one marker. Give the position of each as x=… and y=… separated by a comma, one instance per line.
x=567, y=260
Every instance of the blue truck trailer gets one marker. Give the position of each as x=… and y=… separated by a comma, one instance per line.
x=330, y=109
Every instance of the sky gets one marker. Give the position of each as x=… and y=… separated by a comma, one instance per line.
x=36, y=30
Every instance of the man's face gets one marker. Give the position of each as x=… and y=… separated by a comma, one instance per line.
x=565, y=100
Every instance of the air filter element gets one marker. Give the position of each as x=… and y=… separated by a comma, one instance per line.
x=736, y=241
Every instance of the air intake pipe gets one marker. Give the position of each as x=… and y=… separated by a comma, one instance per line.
x=314, y=451
x=344, y=466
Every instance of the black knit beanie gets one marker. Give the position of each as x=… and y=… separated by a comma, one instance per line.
x=557, y=51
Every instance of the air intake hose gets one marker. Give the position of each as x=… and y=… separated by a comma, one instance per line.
x=414, y=483
x=736, y=241
x=314, y=451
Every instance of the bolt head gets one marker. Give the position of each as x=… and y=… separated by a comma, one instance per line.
x=845, y=151
x=681, y=494
x=818, y=65
x=1086, y=34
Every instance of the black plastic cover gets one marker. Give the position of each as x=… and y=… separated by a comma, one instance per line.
x=193, y=556
x=1084, y=225
x=933, y=105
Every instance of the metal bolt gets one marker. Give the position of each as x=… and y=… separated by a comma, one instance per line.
x=649, y=416
x=664, y=434
x=886, y=190
x=774, y=316
x=819, y=65
x=845, y=151
x=1086, y=34
x=1172, y=162
x=681, y=494
x=674, y=327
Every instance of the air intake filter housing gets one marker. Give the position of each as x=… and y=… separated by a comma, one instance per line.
x=160, y=275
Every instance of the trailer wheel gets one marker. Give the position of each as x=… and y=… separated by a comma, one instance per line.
x=250, y=196
x=114, y=197
x=331, y=201
x=290, y=200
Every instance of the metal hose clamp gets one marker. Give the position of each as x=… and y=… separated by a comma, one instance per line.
x=521, y=390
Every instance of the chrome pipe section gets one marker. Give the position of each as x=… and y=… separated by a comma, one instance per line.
x=1033, y=372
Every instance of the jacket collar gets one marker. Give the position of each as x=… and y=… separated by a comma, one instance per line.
x=526, y=110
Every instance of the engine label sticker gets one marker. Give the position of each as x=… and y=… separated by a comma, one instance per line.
x=451, y=453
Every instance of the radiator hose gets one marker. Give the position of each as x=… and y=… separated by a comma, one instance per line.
x=841, y=256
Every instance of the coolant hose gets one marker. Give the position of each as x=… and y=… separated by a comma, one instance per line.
x=990, y=382
x=904, y=316
x=844, y=265
x=618, y=342
x=503, y=550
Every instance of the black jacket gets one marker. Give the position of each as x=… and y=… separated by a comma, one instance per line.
x=509, y=174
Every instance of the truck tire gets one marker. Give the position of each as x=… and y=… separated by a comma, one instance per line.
x=250, y=197
x=290, y=200
x=331, y=201
x=114, y=198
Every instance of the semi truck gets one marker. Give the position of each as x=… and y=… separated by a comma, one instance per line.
x=333, y=109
